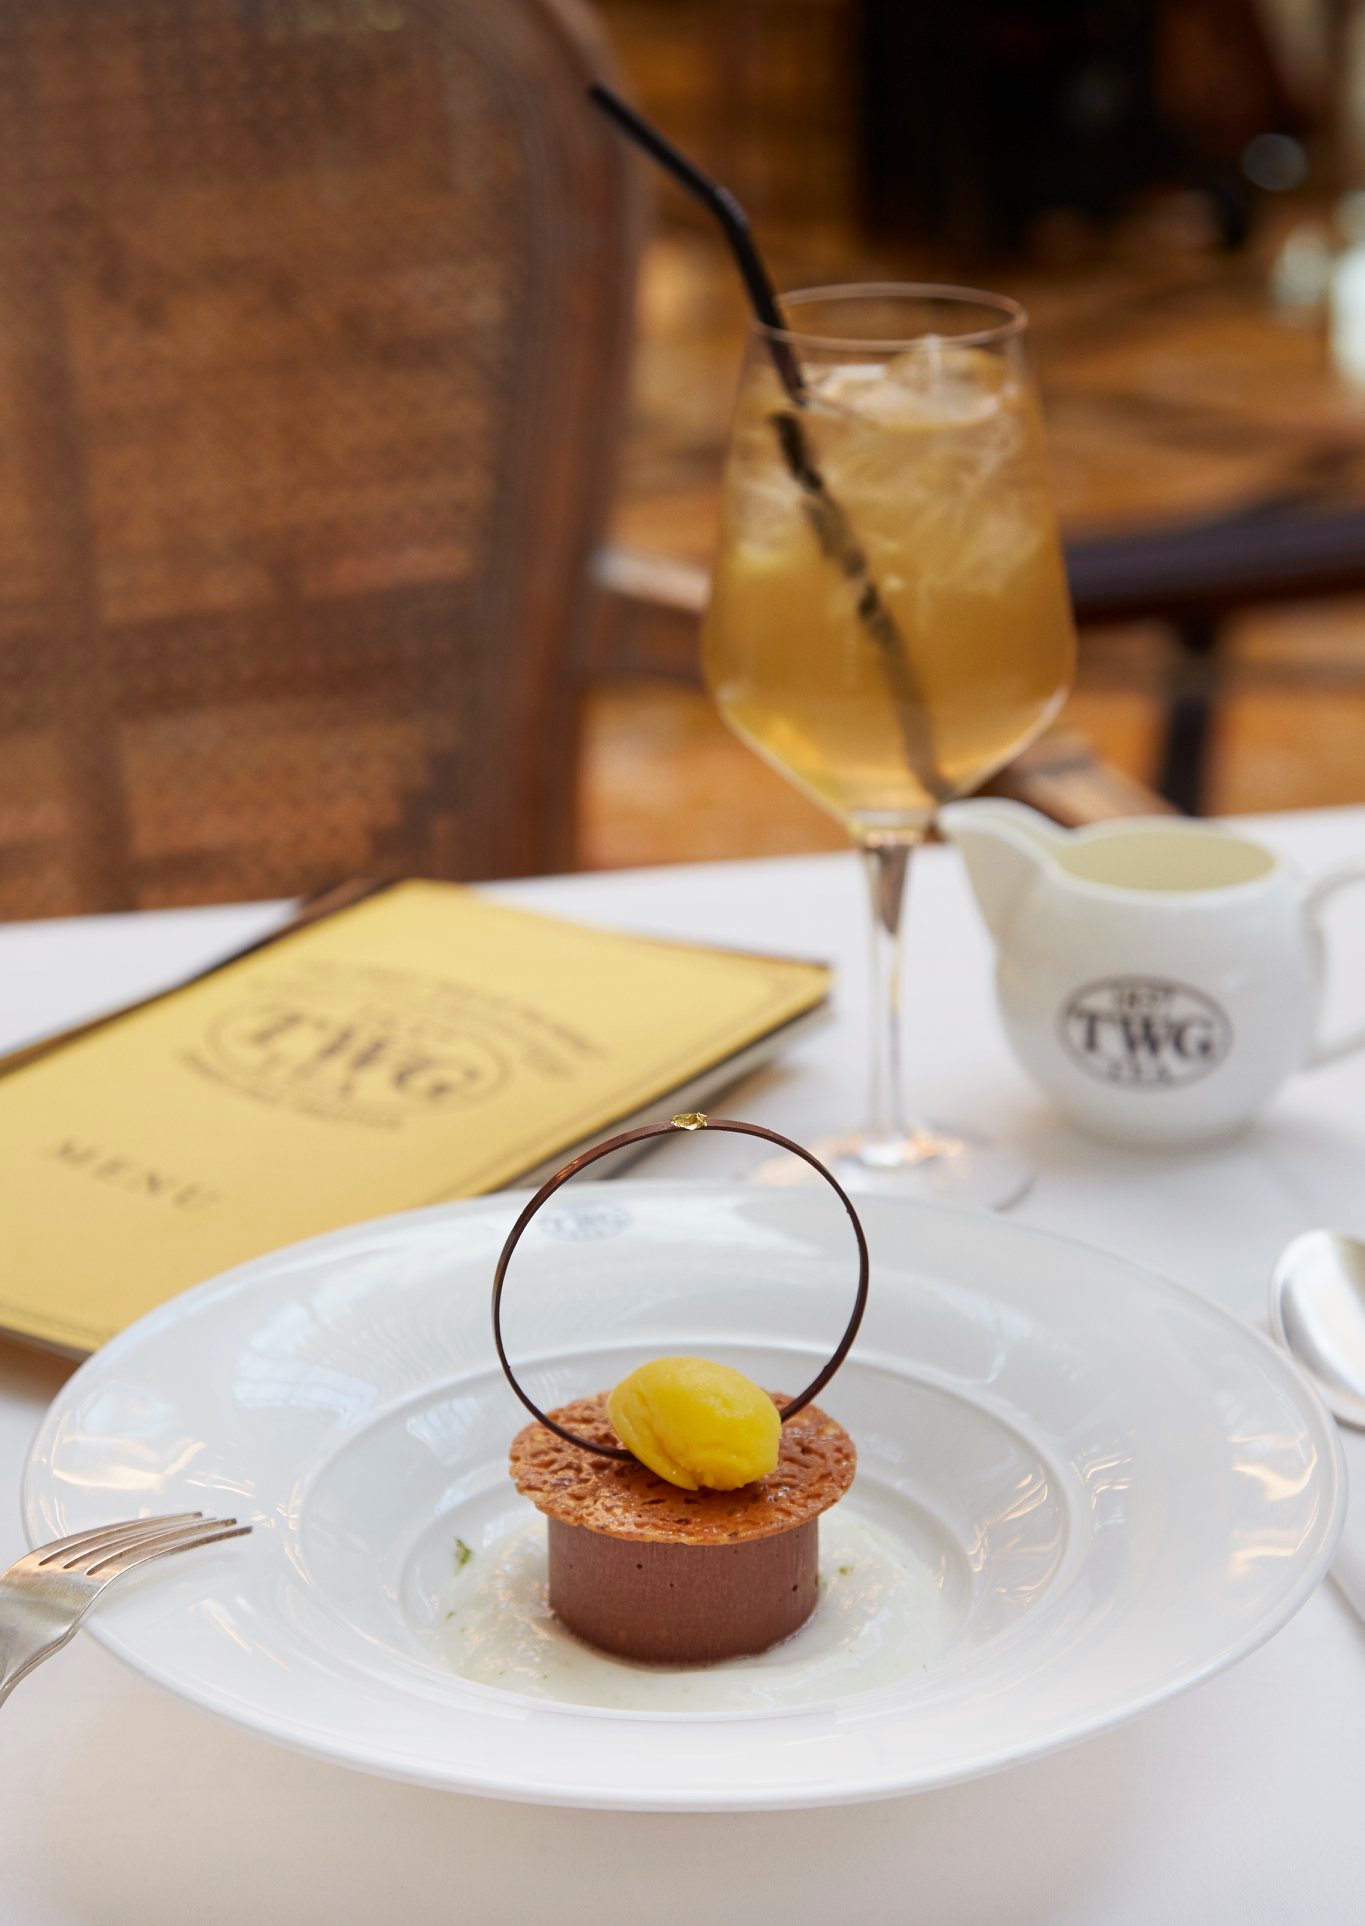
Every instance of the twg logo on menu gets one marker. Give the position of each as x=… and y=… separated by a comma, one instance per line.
x=1144, y=1033
x=363, y=1044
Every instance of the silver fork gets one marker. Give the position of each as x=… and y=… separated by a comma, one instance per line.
x=46, y=1595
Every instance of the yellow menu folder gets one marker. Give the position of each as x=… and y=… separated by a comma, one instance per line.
x=417, y=1044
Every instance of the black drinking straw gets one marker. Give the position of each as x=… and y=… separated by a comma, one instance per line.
x=828, y=518
x=734, y=222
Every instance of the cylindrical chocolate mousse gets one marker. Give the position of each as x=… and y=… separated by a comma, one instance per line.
x=648, y=1571
x=683, y=1604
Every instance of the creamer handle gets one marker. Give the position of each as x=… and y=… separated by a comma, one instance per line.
x=1329, y=1049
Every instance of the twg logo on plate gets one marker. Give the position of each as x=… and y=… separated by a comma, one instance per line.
x=1144, y=1033
x=584, y=1222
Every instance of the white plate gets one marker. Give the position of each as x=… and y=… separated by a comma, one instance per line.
x=1102, y=1488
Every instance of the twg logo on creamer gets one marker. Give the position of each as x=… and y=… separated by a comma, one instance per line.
x=1144, y=1033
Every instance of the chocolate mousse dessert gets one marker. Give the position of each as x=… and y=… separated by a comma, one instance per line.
x=648, y=1569
x=683, y=1508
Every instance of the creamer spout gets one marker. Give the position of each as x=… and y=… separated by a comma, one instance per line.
x=1004, y=845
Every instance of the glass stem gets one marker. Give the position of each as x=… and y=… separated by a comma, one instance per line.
x=888, y=864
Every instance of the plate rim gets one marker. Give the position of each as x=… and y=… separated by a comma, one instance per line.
x=748, y=1796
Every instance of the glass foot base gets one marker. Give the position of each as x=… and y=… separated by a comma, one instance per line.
x=932, y=1164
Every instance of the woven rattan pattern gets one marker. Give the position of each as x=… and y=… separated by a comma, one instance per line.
x=312, y=319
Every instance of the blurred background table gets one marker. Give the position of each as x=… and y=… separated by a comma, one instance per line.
x=1236, y=1803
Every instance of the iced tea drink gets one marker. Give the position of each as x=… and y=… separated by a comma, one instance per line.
x=933, y=454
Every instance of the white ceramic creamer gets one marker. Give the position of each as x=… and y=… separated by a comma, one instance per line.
x=1159, y=977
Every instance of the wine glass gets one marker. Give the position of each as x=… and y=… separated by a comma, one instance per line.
x=889, y=620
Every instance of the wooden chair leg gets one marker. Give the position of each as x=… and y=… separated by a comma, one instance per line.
x=1183, y=779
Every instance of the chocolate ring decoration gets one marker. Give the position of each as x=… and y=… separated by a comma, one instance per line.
x=689, y=1120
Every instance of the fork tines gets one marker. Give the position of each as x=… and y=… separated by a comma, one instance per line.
x=107, y=1550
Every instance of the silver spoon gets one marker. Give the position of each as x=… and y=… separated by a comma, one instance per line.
x=1317, y=1311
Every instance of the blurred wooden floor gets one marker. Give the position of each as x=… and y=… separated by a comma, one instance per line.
x=1172, y=391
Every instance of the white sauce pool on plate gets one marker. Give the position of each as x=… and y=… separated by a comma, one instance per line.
x=883, y=1615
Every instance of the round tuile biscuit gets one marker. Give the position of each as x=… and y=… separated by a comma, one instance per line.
x=815, y=1467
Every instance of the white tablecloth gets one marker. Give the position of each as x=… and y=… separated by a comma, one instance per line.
x=1240, y=1802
